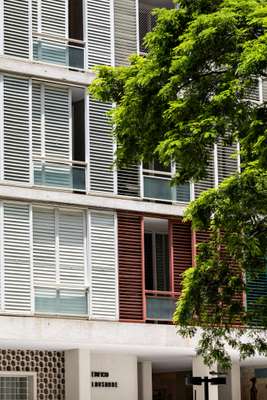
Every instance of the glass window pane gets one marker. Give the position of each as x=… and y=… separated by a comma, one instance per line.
x=14, y=388
x=160, y=308
x=52, y=301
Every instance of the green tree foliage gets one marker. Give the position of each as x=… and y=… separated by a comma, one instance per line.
x=190, y=90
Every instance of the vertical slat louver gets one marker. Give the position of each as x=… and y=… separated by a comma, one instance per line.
x=209, y=181
x=125, y=30
x=264, y=89
x=16, y=28
x=129, y=181
x=35, y=15
x=101, y=148
x=36, y=119
x=17, y=259
x=57, y=128
x=103, y=266
x=182, y=250
x=227, y=165
x=16, y=129
x=256, y=291
x=253, y=92
x=44, y=245
x=130, y=266
x=54, y=17
x=99, y=32
x=71, y=231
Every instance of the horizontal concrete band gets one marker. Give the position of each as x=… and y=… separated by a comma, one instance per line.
x=18, y=193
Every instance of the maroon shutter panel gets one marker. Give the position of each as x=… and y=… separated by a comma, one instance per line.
x=182, y=251
x=130, y=239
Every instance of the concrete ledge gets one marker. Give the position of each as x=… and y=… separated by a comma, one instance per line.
x=33, y=69
x=18, y=193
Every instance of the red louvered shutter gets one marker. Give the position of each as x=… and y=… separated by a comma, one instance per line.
x=182, y=251
x=130, y=254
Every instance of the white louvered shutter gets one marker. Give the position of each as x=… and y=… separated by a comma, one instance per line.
x=103, y=266
x=125, y=30
x=227, y=165
x=16, y=129
x=36, y=119
x=17, y=259
x=57, y=128
x=264, y=89
x=253, y=92
x=128, y=181
x=35, y=15
x=209, y=181
x=44, y=250
x=53, y=17
x=16, y=28
x=99, y=32
x=101, y=148
x=71, y=231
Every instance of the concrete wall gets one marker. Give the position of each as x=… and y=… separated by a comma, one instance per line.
x=121, y=369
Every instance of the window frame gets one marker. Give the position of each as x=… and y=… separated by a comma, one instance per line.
x=31, y=377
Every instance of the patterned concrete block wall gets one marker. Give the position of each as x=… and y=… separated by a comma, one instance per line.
x=48, y=365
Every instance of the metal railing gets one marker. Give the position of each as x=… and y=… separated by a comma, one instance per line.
x=157, y=186
x=59, y=173
x=58, y=50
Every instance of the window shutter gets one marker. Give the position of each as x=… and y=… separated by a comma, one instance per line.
x=253, y=92
x=144, y=26
x=128, y=181
x=35, y=15
x=125, y=30
x=36, y=119
x=130, y=254
x=182, y=250
x=16, y=28
x=17, y=258
x=57, y=128
x=256, y=290
x=71, y=230
x=16, y=129
x=103, y=266
x=209, y=181
x=101, y=148
x=44, y=250
x=99, y=32
x=264, y=89
x=227, y=165
x=54, y=17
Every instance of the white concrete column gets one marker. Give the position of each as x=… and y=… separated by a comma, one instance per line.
x=200, y=369
x=145, y=391
x=77, y=375
x=232, y=389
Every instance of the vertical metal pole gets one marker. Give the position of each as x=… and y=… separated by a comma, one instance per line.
x=206, y=387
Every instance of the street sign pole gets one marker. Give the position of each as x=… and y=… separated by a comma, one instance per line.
x=206, y=387
x=198, y=381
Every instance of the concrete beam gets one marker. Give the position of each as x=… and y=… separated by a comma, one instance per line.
x=18, y=193
x=34, y=69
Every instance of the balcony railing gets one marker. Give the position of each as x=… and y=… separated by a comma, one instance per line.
x=157, y=186
x=58, y=50
x=160, y=306
x=57, y=173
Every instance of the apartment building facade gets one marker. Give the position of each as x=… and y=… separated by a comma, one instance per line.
x=90, y=257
